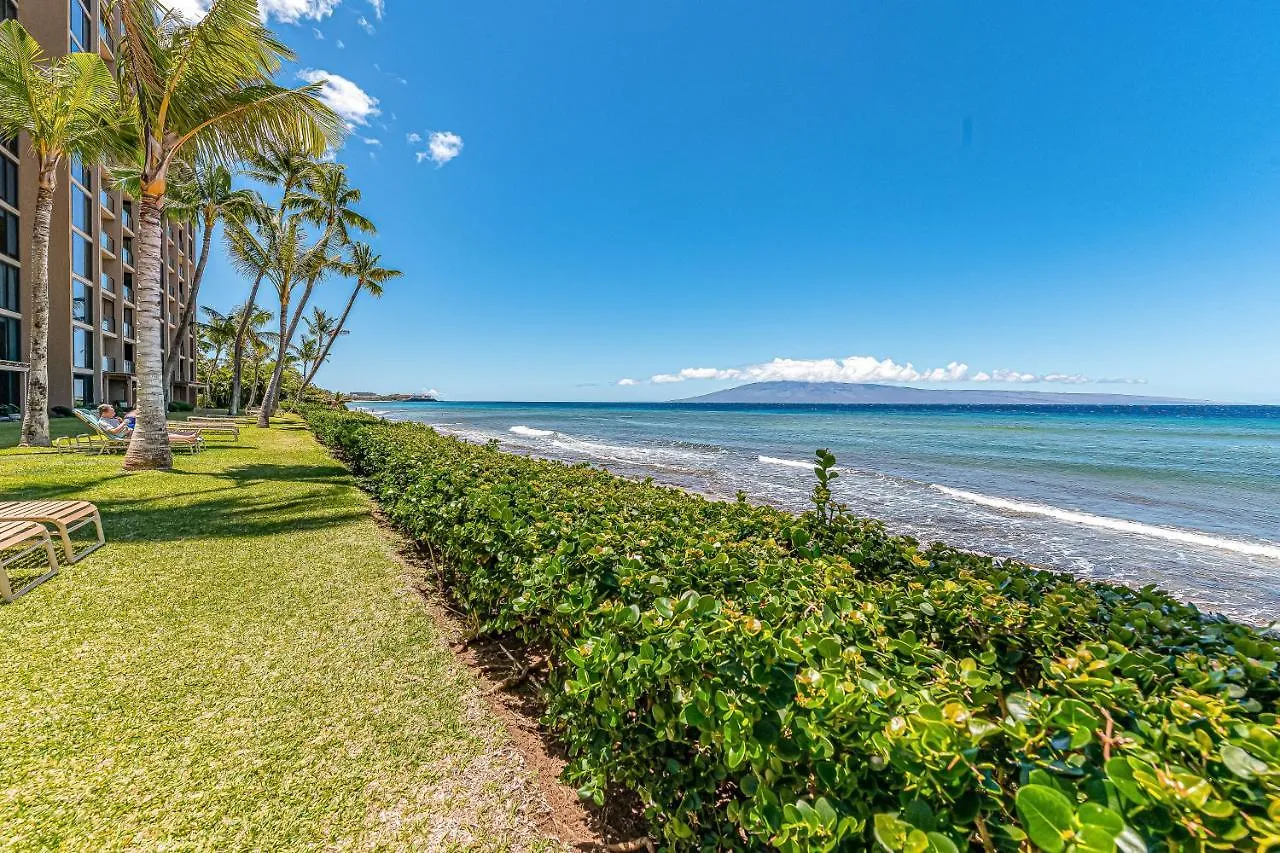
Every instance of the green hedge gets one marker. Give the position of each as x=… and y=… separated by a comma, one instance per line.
x=813, y=683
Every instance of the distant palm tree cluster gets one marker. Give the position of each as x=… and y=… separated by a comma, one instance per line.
x=191, y=106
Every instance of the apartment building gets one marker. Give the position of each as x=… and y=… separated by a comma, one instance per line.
x=92, y=334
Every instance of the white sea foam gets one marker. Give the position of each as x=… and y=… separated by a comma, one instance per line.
x=790, y=463
x=521, y=429
x=1119, y=525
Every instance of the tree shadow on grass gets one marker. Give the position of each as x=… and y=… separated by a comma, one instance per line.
x=253, y=500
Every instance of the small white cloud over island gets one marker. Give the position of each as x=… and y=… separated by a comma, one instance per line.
x=859, y=368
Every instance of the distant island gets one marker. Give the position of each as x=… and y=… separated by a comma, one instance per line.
x=862, y=392
x=364, y=396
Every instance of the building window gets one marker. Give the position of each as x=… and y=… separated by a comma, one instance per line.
x=81, y=26
x=128, y=332
x=11, y=387
x=81, y=301
x=81, y=210
x=82, y=172
x=108, y=316
x=10, y=343
x=126, y=212
x=8, y=10
x=82, y=256
x=8, y=234
x=128, y=287
x=8, y=181
x=126, y=255
x=82, y=391
x=9, y=288
x=82, y=348
x=107, y=283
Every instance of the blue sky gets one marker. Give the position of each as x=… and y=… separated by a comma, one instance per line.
x=1086, y=190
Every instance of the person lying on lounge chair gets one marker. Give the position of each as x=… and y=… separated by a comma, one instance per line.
x=111, y=423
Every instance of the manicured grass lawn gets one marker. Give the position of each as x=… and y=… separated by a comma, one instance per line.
x=242, y=666
x=10, y=430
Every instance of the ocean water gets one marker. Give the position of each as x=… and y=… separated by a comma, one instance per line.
x=1187, y=498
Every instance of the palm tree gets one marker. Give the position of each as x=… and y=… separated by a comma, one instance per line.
x=257, y=341
x=69, y=107
x=204, y=195
x=285, y=166
x=217, y=332
x=365, y=267
x=321, y=328
x=327, y=202
x=202, y=89
x=306, y=351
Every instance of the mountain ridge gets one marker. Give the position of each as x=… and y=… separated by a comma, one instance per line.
x=867, y=392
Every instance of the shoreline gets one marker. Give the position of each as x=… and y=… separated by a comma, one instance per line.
x=702, y=487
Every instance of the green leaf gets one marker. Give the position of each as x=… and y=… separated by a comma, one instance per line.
x=1241, y=763
x=890, y=832
x=941, y=844
x=1120, y=772
x=1046, y=814
x=1092, y=814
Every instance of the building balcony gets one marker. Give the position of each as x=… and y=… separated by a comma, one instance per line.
x=109, y=325
x=108, y=245
x=108, y=364
x=128, y=367
x=108, y=205
x=128, y=330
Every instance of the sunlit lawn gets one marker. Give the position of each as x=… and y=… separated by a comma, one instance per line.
x=242, y=666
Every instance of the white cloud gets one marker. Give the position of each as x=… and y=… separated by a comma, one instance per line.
x=315, y=31
x=419, y=156
x=625, y=382
x=344, y=97
x=364, y=24
x=411, y=138
x=859, y=368
x=379, y=6
x=340, y=43
x=371, y=140
x=442, y=146
x=286, y=11
x=292, y=11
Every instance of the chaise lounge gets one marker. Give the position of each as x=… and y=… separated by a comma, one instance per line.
x=66, y=517
x=110, y=442
x=28, y=537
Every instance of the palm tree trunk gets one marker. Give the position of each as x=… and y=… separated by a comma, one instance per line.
x=328, y=345
x=35, y=416
x=272, y=398
x=273, y=386
x=150, y=445
x=172, y=360
x=253, y=391
x=237, y=349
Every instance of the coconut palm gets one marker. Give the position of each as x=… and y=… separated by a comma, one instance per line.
x=69, y=107
x=257, y=341
x=203, y=195
x=306, y=351
x=327, y=202
x=366, y=268
x=217, y=332
x=321, y=328
x=203, y=90
x=285, y=166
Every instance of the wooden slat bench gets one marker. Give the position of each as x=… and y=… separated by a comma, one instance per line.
x=203, y=428
x=28, y=537
x=66, y=517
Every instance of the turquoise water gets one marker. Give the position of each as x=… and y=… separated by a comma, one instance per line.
x=1184, y=497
